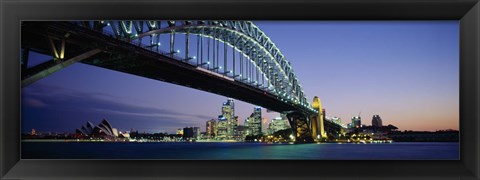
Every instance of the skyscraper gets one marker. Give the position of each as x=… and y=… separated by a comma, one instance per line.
x=264, y=125
x=235, y=126
x=196, y=132
x=211, y=128
x=228, y=112
x=222, y=126
x=254, y=122
x=376, y=121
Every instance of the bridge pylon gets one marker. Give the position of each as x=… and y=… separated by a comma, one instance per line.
x=318, y=126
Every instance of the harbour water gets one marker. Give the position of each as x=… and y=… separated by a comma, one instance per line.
x=240, y=151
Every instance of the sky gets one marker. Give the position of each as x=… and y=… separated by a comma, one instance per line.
x=405, y=71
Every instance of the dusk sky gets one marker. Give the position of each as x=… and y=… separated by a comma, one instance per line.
x=405, y=71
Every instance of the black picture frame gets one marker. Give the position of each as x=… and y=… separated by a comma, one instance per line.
x=12, y=12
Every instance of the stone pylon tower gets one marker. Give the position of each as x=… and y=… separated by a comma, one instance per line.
x=318, y=129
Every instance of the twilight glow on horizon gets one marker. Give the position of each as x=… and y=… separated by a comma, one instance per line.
x=405, y=71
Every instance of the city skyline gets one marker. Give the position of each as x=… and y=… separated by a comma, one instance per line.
x=409, y=81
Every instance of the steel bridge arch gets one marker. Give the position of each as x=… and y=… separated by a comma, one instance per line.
x=242, y=36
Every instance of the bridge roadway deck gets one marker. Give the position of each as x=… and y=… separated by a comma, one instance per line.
x=125, y=57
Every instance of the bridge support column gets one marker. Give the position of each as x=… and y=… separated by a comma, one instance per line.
x=300, y=127
x=314, y=122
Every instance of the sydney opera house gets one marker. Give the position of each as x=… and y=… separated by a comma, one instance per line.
x=102, y=130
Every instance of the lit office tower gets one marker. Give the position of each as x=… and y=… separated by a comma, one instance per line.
x=376, y=121
x=356, y=121
x=211, y=127
x=221, y=128
x=278, y=124
x=265, y=126
x=254, y=122
x=228, y=112
x=235, y=124
x=196, y=132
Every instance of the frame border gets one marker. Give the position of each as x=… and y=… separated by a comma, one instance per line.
x=12, y=12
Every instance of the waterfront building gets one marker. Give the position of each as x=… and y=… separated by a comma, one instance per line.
x=228, y=112
x=377, y=121
x=115, y=132
x=211, y=128
x=180, y=132
x=133, y=133
x=87, y=129
x=235, y=126
x=356, y=122
x=203, y=135
x=278, y=124
x=196, y=132
x=241, y=133
x=264, y=125
x=124, y=135
x=102, y=130
x=222, y=128
x=132, y=130
x=254, y=122
x=188, y=133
